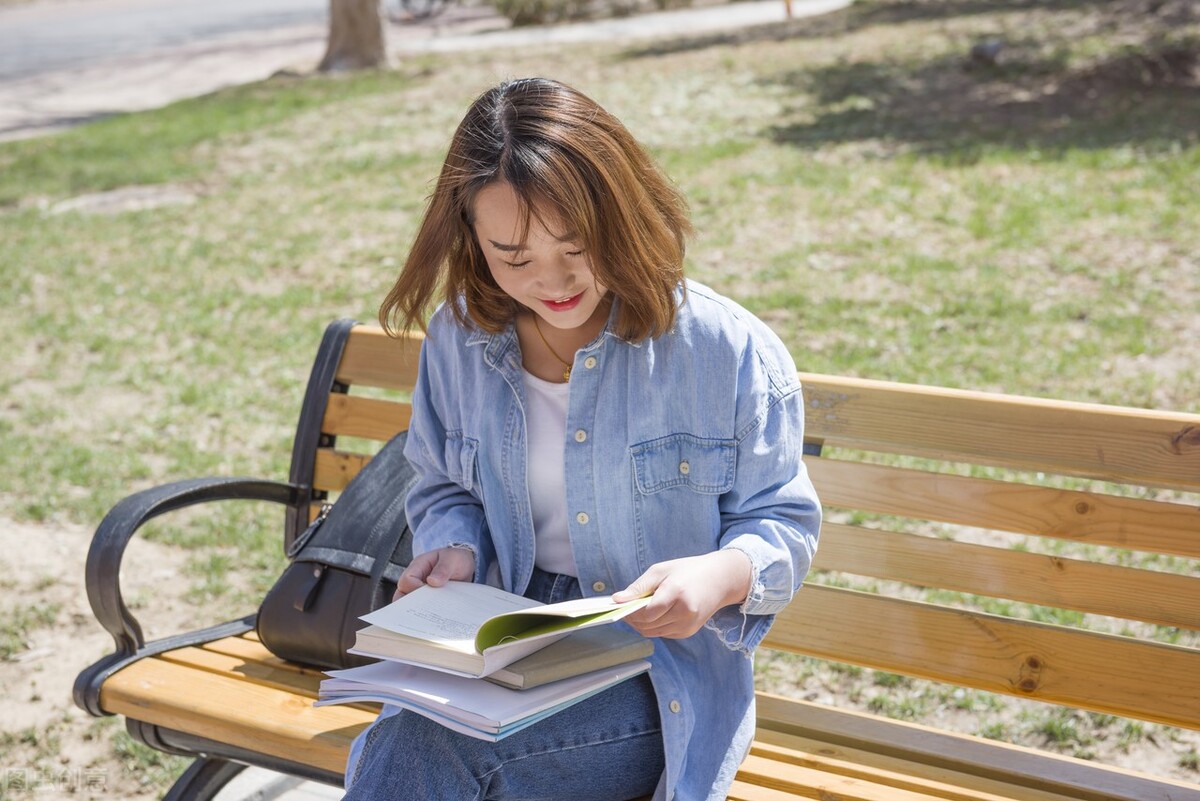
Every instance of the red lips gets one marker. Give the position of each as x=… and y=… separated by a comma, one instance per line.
x=564, y=305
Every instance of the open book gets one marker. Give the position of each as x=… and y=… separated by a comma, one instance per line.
x=476, y=708
x=475, y=630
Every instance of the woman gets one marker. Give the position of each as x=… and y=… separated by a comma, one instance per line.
x=586, y=421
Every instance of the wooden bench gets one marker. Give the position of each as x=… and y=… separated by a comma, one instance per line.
x=937, y=500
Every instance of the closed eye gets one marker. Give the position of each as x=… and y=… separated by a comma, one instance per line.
x=518, y=265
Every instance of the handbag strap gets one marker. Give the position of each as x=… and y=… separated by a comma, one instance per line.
x=364, y=530
x=389, y=539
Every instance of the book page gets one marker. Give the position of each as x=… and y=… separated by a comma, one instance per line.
x=581, y=607
x=481, y=704
x=451, y=614
x=542, y=622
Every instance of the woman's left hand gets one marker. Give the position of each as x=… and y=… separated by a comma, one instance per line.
x=687, y=592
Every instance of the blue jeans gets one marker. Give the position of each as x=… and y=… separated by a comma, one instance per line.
x=604, y=748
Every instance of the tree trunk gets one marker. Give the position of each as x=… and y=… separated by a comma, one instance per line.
x=355, y=36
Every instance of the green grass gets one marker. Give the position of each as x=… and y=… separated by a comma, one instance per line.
x=175, y=145
x=890, y=212
x=148, y=766
x=19, y=621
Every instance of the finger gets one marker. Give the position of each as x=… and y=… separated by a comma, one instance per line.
x=415, y=574
x=407, y=583
x=438, y=576
x=652, y=613
x=661, y=629
x=672, y=633
x=644, y=585
x=670, y=626
x=453, y=564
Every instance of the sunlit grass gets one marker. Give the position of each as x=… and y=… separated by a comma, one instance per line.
x=891, y=214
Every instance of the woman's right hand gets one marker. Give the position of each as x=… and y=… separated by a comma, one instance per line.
x=435, y=568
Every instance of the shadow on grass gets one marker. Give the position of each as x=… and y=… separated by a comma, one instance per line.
x=1144, y=92
x=949, y=105
x=857, y=16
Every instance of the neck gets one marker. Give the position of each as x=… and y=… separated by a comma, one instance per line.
x=547, y=351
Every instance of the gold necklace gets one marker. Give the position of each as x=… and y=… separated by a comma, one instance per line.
x=565, y=363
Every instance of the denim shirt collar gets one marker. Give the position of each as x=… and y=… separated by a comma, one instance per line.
x=496, y=345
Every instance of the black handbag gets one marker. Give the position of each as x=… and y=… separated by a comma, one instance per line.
x=344, y=565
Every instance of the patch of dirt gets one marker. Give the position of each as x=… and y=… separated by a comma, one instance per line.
x=1169, y=65
x=49, y=747
x=126, y=199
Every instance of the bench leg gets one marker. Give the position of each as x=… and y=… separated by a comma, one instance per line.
x=203, y=779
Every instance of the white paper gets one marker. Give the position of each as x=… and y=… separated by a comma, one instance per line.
x=451, y=614
x=481, y=705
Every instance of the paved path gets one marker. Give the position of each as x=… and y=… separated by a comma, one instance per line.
x=63, y=62
x=48, y=35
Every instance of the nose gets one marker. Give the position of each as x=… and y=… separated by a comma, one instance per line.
x=557, y=281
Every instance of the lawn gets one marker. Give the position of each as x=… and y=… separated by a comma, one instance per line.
x=892, y=206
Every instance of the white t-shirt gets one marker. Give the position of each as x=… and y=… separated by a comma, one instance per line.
x=546, y=418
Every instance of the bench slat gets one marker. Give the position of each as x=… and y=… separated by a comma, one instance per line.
x=796, y=781
x=256, y=672
x=892, y=771
x=741, y=791
x=374, y=359
x=1133, y=523
x=1167, y=599
x=923, y=748
x=1104, y=442
x=369, y=418
x=333, y=470
x=1100, y=672
x=234, y=711
x=250, y=649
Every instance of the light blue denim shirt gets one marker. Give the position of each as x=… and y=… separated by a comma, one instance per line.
x=675, y=446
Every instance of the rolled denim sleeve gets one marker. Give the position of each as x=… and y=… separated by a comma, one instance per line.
x=444, y=507
x=772, y=515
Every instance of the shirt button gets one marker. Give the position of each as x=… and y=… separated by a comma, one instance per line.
x=685, y=468
x=580, y=435
x=589, y=362
x=582, y=518
x=598, y=586
x=675, y=707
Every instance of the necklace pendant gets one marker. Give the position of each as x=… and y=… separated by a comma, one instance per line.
x=567, y=374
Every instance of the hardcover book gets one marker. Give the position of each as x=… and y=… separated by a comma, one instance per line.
x=476, y=630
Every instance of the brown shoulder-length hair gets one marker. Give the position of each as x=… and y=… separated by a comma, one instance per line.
x=570, y=162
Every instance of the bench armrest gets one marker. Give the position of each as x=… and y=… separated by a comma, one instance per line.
x=107, y=550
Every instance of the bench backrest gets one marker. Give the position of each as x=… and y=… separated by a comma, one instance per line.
x=356, y=400
x=1043, y=549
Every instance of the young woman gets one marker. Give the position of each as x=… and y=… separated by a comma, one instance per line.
x=588, y=422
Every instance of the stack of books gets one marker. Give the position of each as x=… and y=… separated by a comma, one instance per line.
x=486, y=662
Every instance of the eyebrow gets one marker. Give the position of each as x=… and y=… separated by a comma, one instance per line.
x=567, y=238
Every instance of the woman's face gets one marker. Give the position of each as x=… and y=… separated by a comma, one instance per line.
x=546, y=271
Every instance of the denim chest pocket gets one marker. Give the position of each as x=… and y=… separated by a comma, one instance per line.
x=700, y=464
x=460, y=459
